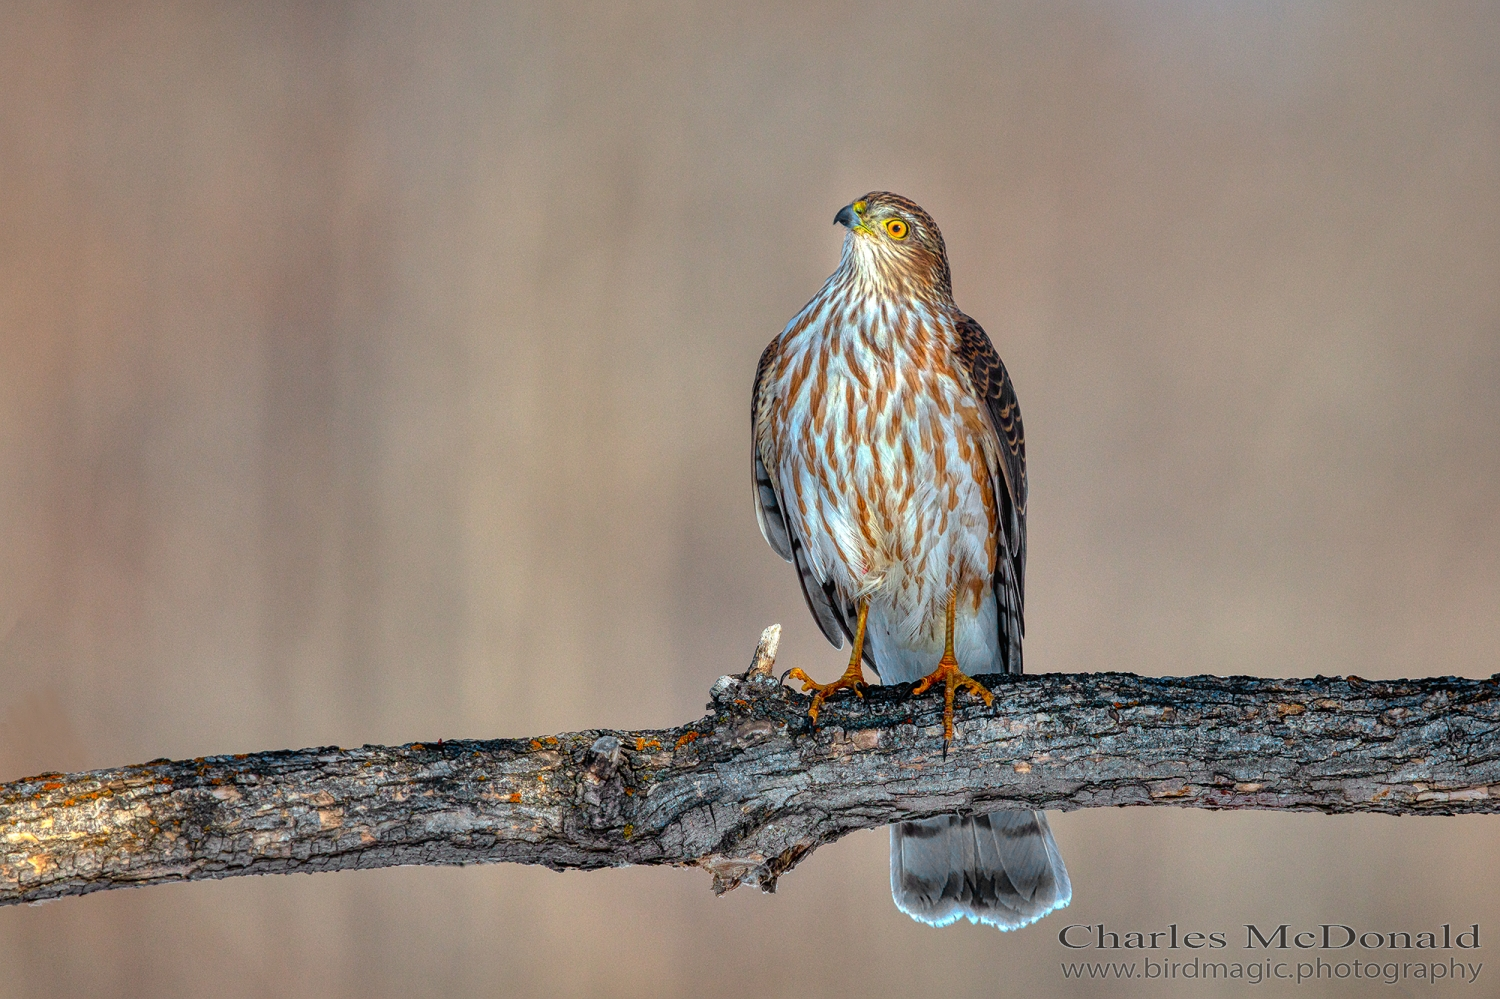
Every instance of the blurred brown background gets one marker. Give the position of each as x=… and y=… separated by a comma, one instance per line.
x=377, y=372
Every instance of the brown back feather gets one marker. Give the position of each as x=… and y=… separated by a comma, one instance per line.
x=992, y=384
x=833, y=619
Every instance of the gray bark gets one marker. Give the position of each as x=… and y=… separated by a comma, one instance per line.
x=751, y=788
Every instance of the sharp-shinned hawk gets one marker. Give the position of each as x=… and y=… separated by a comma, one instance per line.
x=890, y=467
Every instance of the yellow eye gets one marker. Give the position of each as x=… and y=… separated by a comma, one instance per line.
x=859, y=207
x=896, y=228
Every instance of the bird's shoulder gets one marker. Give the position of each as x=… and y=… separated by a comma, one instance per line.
x=991, y=383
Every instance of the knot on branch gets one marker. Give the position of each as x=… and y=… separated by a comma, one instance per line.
x=753, y=787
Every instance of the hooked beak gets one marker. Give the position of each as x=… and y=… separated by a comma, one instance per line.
x=849, y=219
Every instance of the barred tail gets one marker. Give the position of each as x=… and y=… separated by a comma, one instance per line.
x=1001, y=868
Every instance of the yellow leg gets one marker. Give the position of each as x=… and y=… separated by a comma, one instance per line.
x=950, y=676
x=853, y=678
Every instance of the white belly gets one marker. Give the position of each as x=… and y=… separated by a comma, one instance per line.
x=887, y=484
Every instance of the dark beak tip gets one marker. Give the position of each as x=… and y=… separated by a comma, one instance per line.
x=845, y=217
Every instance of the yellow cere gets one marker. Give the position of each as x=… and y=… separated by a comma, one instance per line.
x=859, y=207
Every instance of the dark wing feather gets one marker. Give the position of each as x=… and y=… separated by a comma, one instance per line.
x=774, y=526
x=992, y=384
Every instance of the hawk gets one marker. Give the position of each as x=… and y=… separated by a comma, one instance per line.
x=890, y=468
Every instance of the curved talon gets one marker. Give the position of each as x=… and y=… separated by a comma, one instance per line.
x=953, y=680
x=853, y=679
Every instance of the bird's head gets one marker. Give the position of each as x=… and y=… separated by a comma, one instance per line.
x=895, y=245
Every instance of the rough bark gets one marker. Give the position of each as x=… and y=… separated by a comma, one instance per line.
x=751, y=788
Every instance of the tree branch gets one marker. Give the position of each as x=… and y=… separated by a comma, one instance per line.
x=751, y=788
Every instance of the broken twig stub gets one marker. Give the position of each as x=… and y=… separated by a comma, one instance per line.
x=751, y=788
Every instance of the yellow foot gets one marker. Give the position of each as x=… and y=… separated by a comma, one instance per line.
x=853, y=679
x=953, y=680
